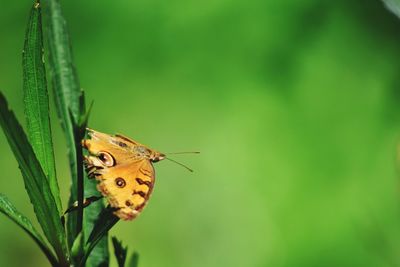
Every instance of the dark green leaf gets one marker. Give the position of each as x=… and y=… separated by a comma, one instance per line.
x=36, y=101
x=394, y=6
x=35, y=180
x=119, y=251
x=77, y=246
x=134, y=261
x=64, y=76
x=106, y=220
x=100, y=253
x=69, y=99
x=11, y=212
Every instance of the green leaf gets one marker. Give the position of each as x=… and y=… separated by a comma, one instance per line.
x=100, y=254
x=36, y=183
x=64, y=77
x=394, y=6
x=119, y=251
x=134, y=261
x=36, y=100
x=8, y=209
x=77, y=246
x=106, y=220
x=69, y=99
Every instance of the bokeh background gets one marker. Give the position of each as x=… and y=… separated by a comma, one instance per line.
x=294, y=105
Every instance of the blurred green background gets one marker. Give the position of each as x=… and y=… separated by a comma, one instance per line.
x=295, y=106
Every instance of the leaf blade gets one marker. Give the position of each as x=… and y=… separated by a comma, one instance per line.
x=100, y=253
x=8, y=209
x=36, y=101
x=105, y=221
x=393, y=5
x=36, y=183
x=69, y=100
x=134, y=261
x=119, y=251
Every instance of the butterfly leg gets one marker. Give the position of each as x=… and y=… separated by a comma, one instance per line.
x=86, y=203
x=92, y=166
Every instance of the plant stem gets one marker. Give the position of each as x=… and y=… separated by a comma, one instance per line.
x=79, y=184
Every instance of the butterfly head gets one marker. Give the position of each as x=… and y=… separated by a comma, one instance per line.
x=144, y=152
x=156, y=156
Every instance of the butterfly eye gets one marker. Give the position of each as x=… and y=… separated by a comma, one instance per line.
x=120, y=182
x=106, y=159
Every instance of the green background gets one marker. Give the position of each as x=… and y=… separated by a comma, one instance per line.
x=293, y=104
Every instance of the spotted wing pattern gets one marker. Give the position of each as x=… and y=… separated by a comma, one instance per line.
x=124, y=178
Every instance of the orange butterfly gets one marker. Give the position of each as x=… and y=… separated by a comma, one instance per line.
x=124, y=170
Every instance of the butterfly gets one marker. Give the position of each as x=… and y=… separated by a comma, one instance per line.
x=124, y=171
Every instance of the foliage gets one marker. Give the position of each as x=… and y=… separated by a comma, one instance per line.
x=393, y=5
x=78, y=242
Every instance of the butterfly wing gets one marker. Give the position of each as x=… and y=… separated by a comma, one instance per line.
x=120, y=145
x=124, y=179
x=127, y=187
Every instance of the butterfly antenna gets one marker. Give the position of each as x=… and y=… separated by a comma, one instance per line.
x=186, y=152
x=186, y=167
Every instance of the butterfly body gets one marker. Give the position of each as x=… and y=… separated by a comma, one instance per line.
x=123, y=169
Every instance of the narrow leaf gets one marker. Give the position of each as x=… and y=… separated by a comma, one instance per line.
x=77, y=248
x=68, y=99
x=64, y=77
x=394, y=6
x=106, y=220
x=119, y=251
x=100, y=254
x=7, y=208
x=134, y=261
x=36, y=183
x=36, y=101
